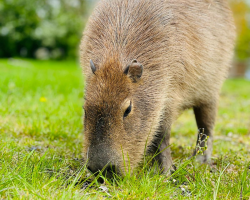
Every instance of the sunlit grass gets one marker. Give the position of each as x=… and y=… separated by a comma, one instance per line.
x=41, y=142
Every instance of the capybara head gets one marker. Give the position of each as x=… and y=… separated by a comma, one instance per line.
x=112, y=116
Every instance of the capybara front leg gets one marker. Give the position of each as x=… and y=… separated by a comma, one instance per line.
x=205, y=118
x=163, y=152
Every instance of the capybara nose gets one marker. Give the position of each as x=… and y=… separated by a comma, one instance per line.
x=101, y=158
x=94, y=168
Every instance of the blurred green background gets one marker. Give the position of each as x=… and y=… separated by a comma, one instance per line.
x=51, y=29
x=41, y=29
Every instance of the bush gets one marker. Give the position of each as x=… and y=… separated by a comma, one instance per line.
x=41, y=28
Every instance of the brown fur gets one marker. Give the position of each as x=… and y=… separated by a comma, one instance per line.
x=185, y=47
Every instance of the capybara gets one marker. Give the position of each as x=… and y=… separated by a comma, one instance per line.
x=145, y=61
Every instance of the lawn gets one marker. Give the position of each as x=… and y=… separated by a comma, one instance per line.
x=41, y=140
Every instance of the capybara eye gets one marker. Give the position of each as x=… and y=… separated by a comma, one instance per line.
x=85, y=113
x=128, y=110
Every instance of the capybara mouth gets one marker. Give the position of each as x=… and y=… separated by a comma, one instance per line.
x=109, y=171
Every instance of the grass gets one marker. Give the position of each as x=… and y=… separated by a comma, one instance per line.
x=41, y=141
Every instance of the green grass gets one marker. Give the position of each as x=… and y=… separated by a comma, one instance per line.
x=41, y=142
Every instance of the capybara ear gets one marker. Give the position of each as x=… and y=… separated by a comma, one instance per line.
x=134, y=71
x=93, y=67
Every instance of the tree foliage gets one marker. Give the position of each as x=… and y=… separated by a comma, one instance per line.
x=50, y=26
x=241, y=12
